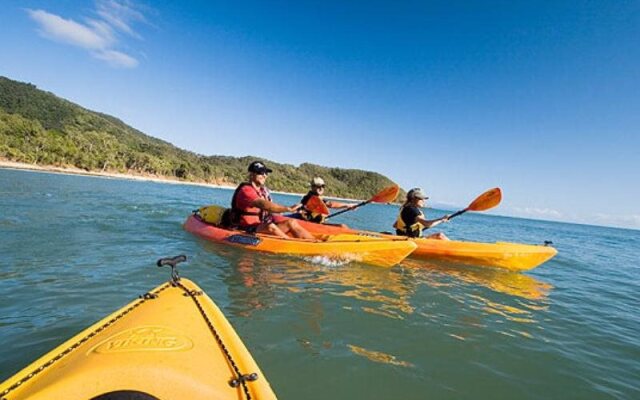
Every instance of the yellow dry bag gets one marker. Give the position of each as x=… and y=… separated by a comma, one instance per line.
x=212, y=214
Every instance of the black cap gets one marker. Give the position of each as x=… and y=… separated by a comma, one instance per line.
x=259, y=168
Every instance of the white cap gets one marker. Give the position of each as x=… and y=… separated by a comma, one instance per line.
x=416, y=193
x=317, y=181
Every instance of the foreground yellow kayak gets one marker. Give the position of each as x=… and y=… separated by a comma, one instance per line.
x=381, y=252
x=174, y=343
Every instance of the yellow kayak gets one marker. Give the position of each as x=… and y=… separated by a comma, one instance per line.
x=173, y=343
x=511, y=256
x=381, y=252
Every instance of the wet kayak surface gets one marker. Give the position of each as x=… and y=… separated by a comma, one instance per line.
x=76, y=248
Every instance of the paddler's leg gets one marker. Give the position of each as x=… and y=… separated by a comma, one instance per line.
x=291, y=226
x=272, y=229
x=439, y=236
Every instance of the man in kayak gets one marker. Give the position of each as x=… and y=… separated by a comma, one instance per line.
x=317, y=189
x=411, y=221
x=252, y=207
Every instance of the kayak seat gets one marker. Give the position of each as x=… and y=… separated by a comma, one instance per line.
x=125, y=395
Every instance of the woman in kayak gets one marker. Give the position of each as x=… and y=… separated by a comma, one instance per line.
x=317, y=189
x=411, y=221
x=252, y=207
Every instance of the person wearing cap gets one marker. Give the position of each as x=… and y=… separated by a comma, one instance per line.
x=317, y=189
x=252, y=207
x=411, y=221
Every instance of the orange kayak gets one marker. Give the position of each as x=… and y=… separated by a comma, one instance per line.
x=511, y=256
x=378, y=251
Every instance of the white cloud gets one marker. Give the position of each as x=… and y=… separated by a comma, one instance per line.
x=68, y=31
x=99, y=36
x=120, y=14
x=631, y=221
x=624, y=221
x=537, y=212
x=116, y=58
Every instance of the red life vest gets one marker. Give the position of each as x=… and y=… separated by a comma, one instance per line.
x=249, y=216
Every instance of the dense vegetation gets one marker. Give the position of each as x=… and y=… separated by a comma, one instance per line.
x=40, y=128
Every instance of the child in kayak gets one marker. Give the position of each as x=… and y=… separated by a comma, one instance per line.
x=411, y=221
x=252, y=207
x=317, y=189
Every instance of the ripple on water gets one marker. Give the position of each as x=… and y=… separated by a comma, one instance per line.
x=326, y=328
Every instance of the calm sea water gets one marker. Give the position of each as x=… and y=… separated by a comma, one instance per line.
x=73, y=249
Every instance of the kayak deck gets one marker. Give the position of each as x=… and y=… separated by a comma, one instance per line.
x=511, y=256
x=169, y=345
x=382, y=252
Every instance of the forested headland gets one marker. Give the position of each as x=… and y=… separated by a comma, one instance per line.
x=37, y=127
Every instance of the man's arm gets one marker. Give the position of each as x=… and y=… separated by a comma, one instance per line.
x=336, y=204
x=272, y=207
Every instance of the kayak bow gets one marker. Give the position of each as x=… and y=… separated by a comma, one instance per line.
x=172, y=343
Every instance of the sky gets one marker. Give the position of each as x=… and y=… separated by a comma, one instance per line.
x=539, y=98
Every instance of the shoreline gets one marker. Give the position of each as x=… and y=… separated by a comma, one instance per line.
x=5, y=164
x=134, y=177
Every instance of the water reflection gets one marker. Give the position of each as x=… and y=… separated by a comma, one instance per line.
x=514, y=298
x=450, y=297
x=257, y=281
x=506, y=282
x=377, y=356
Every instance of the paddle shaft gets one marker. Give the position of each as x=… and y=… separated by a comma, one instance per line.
x=455, y=214
x=348, y=209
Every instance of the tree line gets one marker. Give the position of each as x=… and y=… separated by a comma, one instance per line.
x=38, y=127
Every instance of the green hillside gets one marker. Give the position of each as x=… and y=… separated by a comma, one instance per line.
x=40, y=128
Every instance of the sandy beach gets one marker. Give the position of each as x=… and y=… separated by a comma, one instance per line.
x=137, y=177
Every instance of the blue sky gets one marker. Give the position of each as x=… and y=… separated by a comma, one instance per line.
x=541, y=98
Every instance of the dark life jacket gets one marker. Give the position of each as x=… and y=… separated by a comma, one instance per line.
x=405, y=228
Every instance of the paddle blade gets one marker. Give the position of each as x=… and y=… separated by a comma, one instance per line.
x=316, y=205
x=486, y=200
x=386, y=195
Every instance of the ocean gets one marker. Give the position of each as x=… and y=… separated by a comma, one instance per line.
x=75, y=248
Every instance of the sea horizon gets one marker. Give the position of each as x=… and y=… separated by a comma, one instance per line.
x=4, y=164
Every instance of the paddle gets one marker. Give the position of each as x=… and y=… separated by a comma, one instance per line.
x=485, y=201
x=384, y=196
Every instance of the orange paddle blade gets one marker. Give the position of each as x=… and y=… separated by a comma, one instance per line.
x=486, y=200
x=386, y=195
x=316, y=205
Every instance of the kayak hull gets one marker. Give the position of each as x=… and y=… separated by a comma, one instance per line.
x=162, y=347
x=511, y=256
x=382, y=252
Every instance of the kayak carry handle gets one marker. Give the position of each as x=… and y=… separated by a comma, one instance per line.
x=173, y=263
